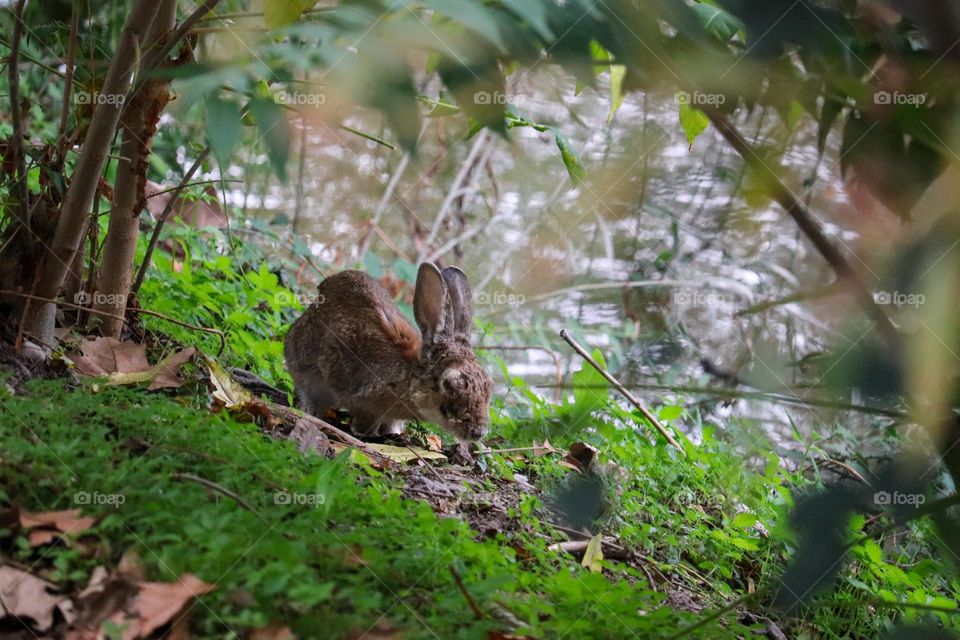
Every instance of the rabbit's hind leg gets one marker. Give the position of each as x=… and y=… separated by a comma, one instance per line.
x=314, y=397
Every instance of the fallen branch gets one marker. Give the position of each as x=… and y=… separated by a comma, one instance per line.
x=292, y=415
x=466, y=594
x=619, y=387
x=218, y=488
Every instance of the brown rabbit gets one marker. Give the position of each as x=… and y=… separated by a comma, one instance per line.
x=353, y=349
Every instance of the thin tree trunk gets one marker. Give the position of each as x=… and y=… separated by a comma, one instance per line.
x=86, y=176
x=139, y=123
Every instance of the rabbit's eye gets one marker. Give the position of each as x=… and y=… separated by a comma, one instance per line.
x=447, y=409
x=453, y=380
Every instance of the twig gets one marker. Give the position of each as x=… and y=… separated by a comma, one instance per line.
x=805, y=221
x=466, y=594
x=339, y=435
x=619, y=387
x=70, y=305
x=186, y=325
x=16, y=138
x=68, y=84
x=368, y=136
x=764, y=396
x=141, y=274
x=424, y=461
x=158, y=55
x=216, y=487
x=455, y=187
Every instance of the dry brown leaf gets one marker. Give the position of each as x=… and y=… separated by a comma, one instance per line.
x=126, y=363
x=273, y=631
x=434, y=443
x=157, y=603
x=226, y=390
x=69, y=521
x=166, y=370
x=40, y=537
x=26, y=596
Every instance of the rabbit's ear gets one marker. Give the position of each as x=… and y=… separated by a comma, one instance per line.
x=429, y=299
x=460, y=305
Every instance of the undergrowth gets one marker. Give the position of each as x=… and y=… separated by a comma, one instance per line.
x=332, y=548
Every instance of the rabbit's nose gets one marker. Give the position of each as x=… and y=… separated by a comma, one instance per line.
x=478, y=431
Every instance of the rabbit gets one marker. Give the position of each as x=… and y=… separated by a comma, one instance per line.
x=353, y=349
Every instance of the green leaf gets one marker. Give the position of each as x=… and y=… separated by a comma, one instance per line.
x=590, y=389
x=693, y=121
x=280, y=13
x=223, y=128
x=670, y=412
x=717, y=22
x=593, y=556
x=617, y=73
x=570, y=160
x=274, y=132
x=744, y=520
x=474, y=15
x=535, y=13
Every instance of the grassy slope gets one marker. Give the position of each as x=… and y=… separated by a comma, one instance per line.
x=361, y=555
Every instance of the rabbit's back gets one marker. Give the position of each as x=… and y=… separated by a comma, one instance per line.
x=351, y=339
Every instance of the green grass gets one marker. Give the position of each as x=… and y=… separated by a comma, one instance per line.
x=348, y=551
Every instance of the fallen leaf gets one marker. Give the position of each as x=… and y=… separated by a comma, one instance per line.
x=166, y=369
x=593, y=556
x=405, y=454
x=226, y=390
x=434, y=443
x=158, y=603
x=125, y=363
x=69, y=521
x=581, y=456
x=40, y=537
x=26, y=596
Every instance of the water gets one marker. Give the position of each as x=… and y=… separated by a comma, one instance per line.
x=686, y=230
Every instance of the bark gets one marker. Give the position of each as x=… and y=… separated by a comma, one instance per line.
x=86, y=176
x=139, y=124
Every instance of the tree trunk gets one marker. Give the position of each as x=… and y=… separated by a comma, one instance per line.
x=86, y=176
x=139, y=124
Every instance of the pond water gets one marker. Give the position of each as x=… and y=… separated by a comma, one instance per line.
x=649, y=259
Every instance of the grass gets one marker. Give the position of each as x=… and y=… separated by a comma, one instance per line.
x=332, y=548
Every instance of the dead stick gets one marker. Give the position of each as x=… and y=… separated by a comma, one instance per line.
x=466, y=594
x=619, y=387
x=424, y=461
x=216, y=487
x=326, y=427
